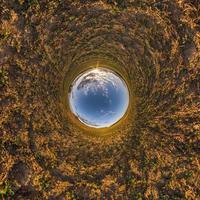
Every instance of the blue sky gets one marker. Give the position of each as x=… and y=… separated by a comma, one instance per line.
x=99, y=98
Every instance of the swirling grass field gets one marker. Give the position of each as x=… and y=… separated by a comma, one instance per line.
x=153, y=152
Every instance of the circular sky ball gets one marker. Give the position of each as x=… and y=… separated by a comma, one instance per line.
x=99, y=97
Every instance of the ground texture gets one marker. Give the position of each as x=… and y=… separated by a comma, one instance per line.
x=155, y=154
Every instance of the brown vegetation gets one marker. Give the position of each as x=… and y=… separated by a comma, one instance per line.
x=155, y=154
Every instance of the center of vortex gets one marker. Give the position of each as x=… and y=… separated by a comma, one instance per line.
x=99, y=97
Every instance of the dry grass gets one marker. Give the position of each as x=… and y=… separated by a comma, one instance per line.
x=154, y=154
